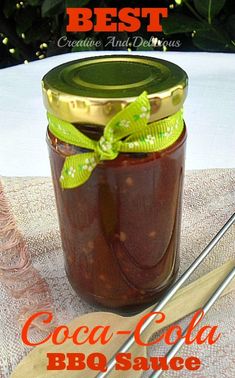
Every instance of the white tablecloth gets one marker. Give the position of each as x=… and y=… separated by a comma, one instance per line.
x=209, y=112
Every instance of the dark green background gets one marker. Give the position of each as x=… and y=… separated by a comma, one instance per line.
x=26, y=25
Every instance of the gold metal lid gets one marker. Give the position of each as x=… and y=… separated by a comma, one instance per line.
x=93, y=90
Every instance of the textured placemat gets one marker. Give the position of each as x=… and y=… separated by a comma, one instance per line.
x=32, y=275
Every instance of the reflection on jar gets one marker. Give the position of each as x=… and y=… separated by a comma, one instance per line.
x=120, y=230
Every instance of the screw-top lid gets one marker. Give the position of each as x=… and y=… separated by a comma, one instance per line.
x=93, y=90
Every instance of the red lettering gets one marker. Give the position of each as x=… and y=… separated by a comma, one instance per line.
x=29, y=322
x=196, y=319
x=130, y=22
x=169, y=333
x=104, y=19
x=56, y=361
x=123, y=361
x=76, y=361
x=56, y=339
x=140, y=324
x=102, y=334
x=193, y=323
x=154, y=18
x=76, y=334
x=79, y=20
x=192, y=363
x=104, y=339
x=97, y=361
x=159, y=363
x=209, y=338
x=176, y=363
x=141, y=363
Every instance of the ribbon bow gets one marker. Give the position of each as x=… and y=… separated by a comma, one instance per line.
x=128, y=131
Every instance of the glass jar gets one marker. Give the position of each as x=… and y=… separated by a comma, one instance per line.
x=120, y=230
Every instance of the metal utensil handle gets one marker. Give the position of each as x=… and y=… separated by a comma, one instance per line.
x=169, y=294
x=172, y=352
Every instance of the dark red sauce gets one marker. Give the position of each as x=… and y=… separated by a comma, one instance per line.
x=121, y=229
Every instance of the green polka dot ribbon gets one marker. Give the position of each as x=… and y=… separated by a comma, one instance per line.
x=128, y=131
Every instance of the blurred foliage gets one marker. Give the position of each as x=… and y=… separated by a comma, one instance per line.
x=30, y=29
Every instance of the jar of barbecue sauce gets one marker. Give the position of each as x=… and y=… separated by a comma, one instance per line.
x=120, y=226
